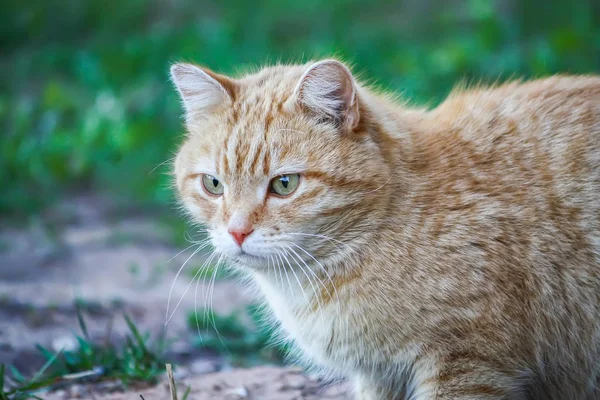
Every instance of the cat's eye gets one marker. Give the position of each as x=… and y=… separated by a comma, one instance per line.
x=284, y=185
x=212, y=185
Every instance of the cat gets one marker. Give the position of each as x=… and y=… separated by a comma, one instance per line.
x=444, y=253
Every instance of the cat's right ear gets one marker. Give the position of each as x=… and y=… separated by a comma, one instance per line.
x=328, y=89
x=201, y=90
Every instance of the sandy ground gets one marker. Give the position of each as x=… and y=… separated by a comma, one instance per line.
x=269, y=383
x=115, y=265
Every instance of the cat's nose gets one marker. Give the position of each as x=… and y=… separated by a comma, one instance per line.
x=240, y=234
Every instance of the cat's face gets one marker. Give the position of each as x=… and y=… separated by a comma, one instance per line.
x=278, y=165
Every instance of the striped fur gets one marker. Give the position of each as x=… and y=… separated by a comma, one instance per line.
x=451, y=253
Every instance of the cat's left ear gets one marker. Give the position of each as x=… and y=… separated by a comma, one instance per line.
x=201, y=90
x=328, y=89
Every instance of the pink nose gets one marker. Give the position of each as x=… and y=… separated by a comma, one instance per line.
x=239, y=235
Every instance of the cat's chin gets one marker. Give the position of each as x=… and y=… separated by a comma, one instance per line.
x=252, y=261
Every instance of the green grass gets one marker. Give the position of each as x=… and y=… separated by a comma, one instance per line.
x=135, y=361
x=243, y=337
x=85, y=102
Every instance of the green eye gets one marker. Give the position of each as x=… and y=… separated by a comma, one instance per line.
x=212, y=185
x=284, y=185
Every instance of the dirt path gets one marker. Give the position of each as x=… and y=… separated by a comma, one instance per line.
x=110, y=266
x=267, y=383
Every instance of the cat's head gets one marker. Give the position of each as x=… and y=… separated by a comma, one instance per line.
x=283, y=163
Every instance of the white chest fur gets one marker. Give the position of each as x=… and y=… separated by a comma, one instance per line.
x=315, y=332
x=331, y=337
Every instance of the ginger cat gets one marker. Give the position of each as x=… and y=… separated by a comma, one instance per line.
x=451, y=253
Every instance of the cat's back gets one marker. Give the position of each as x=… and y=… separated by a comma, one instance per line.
x=506, y=194
x=515, y=165
x=544, y=132
x=555, y=108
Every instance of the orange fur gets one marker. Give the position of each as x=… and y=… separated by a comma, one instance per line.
x=451, y=253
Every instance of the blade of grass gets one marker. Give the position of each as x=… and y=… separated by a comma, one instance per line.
x=16, y=374
x=32, y=386
x=49, y=355
x=136, y=334
x=171, y=382
x=2, y=381
x=187, y=393
x=81, y=322
x=48, y=363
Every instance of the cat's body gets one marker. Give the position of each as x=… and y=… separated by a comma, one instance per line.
x=443, y=254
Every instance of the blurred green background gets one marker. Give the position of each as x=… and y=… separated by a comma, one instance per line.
x=86, y=105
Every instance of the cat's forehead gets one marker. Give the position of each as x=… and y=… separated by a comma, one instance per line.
x=260, y=126
x=262, y=133
x=264, y=95
x=258, y=149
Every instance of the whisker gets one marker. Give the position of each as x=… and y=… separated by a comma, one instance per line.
x=279, y=271
x=204, y=266
x=189, y=238
x=324, y=270
x=160, y=164
x=212, y=292
x=384, y=183
x=205, y=310
x=317, y=295
x=182, y=251
x=272, y=269
x=196, y=308
x=322, y=237
x=182, y=296
x=175, y=280
x=297, y=279
x=280, y=264
x=310, y=270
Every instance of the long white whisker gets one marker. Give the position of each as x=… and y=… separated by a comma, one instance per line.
x=203, y=268
x=269, y=269
x=279, y=271
x=317, y=279
x=296, y=276
x=175, y=280
x=182, y=297
x=189, y=238
x=384, y=183
x=212, y=292
x=314, y=289
x=281, y=264
x=323, y=269
x=205, y=311
x=322, y=237
x=184, y=250
x=159, y=165
x=196, y=308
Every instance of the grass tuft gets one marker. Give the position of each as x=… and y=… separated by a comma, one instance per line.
x=132, y=362
x=241, y=336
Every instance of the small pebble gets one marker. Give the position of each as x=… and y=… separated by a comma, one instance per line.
x=236, y=393
x=181, y=348
x=77, y=391
x=201, y=367
x=64, y=343
x=181, y=373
